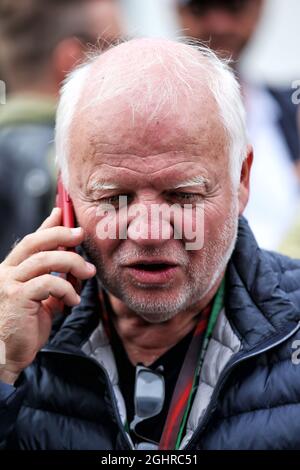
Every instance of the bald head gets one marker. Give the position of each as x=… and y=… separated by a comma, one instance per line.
x=150, y=125
x=149, y=75
x=146, y=81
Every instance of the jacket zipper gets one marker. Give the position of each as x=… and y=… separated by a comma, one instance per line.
x=212, y=405
x=224, y=376
x=110, y=388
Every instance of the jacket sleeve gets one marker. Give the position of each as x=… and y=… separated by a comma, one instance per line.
x=11, y=399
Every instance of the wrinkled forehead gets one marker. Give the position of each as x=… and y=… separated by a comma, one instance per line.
x=147, y=121
x=126, y=124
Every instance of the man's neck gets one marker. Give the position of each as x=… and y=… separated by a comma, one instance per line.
x=145, y=342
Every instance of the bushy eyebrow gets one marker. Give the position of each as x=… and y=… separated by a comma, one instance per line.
x=102, y=186
x=195, y=181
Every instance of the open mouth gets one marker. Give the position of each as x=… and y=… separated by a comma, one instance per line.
x=152, y=267
x=152, y=273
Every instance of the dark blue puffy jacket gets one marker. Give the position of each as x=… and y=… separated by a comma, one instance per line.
x=65, y=399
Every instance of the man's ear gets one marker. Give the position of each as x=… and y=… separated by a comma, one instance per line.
x=244, y=187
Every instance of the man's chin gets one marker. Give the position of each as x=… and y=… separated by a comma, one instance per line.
x=155, y=317
x=155, y=305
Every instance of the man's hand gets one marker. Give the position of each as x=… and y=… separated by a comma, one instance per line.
x=30, y=295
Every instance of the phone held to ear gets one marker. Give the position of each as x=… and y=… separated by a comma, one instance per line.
x=64, y=202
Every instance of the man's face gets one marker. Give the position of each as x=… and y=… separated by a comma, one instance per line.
x=150, y=164
x=226, y=26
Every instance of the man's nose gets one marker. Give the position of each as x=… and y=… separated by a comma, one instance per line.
x=151, y=227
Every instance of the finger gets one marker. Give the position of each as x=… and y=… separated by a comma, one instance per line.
x=53, y=220
x=43, y=240
x=46, y=262
x=42, y=287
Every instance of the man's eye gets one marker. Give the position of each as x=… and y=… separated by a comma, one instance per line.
x=110, y=200
x=186, y=197
x=118, y=200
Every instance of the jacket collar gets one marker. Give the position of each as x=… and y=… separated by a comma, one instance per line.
x=74, y=329
x=256, y=304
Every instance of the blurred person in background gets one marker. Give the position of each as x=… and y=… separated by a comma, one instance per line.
x=291, y=243
x=41, y=41
x=227, y=26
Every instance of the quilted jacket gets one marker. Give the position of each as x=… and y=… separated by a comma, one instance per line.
x=249, y=390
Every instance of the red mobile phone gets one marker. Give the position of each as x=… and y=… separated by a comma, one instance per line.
x=64, y=202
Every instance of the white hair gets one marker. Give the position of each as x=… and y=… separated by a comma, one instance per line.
x=186, y=66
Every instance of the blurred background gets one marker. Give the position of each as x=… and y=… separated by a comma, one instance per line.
x=41, y=41
x=272, y=54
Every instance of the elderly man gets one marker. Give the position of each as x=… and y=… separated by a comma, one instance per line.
x=183, y=334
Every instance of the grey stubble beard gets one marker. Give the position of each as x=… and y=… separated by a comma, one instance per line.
x=158, y=310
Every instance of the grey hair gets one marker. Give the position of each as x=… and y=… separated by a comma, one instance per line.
x=187, y=66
